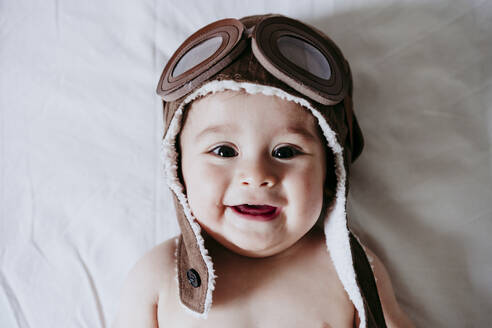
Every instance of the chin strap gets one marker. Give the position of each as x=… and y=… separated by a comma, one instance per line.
x=367, y=285
x=192, y=270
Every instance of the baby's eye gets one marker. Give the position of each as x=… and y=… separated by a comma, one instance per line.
x=224, y=151
x=285, y=152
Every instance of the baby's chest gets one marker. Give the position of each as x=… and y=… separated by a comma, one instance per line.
x=289, y=299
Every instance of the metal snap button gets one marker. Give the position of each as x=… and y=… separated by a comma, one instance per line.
x=193, y=278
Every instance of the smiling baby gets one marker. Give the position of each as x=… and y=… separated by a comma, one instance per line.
x=259, y=137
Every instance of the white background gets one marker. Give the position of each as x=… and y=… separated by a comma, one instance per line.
x=82, y=188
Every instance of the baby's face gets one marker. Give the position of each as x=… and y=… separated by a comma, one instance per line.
x=239, y=149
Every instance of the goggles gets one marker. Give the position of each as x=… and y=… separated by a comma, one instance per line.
x=295, y=53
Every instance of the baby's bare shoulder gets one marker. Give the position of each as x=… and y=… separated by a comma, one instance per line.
x=393, y=314
x=157, y=265
x=150, y=277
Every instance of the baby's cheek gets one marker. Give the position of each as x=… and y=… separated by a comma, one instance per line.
x=308, y=186
x=208, y=186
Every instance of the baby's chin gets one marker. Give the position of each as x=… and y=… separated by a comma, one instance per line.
x=252, y=249
x=251, y=244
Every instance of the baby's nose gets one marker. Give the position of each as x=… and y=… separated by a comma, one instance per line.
x=258, y=174
x=257, y=182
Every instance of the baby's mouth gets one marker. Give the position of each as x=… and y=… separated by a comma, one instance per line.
x=257, y=212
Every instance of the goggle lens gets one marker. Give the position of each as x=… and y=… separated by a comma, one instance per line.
x=197, y=55
x=304, y=55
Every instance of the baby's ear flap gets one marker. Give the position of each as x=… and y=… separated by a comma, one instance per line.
x=356, y=140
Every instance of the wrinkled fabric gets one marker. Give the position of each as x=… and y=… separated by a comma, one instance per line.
x=83, y=196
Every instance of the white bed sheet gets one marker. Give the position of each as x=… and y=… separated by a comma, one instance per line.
x=83, y=194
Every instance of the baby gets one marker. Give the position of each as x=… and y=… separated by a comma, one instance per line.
x=259, y=137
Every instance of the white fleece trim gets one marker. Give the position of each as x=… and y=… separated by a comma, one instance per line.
x=336, y=232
